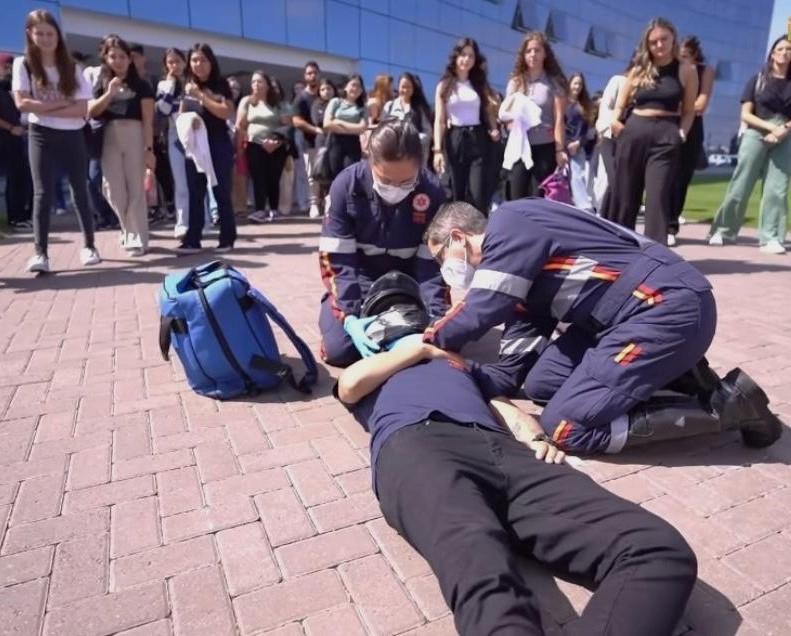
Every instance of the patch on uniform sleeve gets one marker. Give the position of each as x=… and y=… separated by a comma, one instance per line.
x=421, y=202
x=628, y=354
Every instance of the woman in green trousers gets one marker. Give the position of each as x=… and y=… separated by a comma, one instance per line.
x=765, y=150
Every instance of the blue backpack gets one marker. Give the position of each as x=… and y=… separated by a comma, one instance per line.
x=218, y=324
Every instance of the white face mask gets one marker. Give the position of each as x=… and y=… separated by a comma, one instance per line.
x=457, y=272
x=392, y=194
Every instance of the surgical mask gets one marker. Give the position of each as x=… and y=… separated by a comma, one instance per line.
x=457, y=272
x=393, y=194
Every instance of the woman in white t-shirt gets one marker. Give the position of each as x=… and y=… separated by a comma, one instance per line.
x=465, y=125
x=50, y=87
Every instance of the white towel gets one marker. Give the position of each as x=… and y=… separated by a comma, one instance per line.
x=524, y=114
x=196, y=144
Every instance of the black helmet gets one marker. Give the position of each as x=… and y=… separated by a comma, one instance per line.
x=394, y=288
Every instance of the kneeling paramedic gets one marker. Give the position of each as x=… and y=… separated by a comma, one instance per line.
x=639, y=319
x=473, y=498
x=379, y=210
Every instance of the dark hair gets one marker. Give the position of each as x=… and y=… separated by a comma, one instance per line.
x=215, y=76
x=768, y=66
x=277, y=88
x=419, y=103
x=310, y=63
x=584, y=101
x=394, y=140
x=106, y=74
x=272, y=98
x=692, y=44
x=551, y=64
x=326, y=81
x=64, y=62
x=478, y=72
x=363, y=97
x=177, y=53
x=137, y=48
x=456, y=215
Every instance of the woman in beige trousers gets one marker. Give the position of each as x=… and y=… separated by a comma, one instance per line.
x=124, y=103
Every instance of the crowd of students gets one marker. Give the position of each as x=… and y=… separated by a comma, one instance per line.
x=639, y=141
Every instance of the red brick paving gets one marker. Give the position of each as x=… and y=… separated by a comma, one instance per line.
x=130, y=505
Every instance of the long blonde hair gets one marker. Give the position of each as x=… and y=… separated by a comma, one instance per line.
x=643, y=66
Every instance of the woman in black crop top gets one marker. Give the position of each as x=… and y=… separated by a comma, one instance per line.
x=765, y=149
x=662, y=90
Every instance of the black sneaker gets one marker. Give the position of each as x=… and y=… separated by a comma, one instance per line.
x=223, y=249
x=188, y=249
x=742, y=404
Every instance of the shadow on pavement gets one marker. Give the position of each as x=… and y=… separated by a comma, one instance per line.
x=130, y=272
x=713, y=266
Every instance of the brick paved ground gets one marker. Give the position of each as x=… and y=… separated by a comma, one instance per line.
x=128, y=504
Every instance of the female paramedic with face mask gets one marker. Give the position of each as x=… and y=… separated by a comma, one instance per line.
x=378, y=212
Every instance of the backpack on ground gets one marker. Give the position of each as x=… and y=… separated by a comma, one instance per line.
x=219, y=326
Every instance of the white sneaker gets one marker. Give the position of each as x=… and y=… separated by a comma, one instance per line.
x=716, y=239
x=773, y=247
x=89, y=256
x=671, y=240
x=314, y=213
x=259, y=216
x=180, y=231
x=681, y=220
x=38, y=263
x=61, y=211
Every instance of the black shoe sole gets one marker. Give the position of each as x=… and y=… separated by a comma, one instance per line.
x=759, y=427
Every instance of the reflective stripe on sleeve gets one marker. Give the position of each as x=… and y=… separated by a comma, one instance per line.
x=509, y=284
x=335, y=245
x=518, y=346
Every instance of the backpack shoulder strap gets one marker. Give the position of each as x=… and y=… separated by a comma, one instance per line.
x=311, y=368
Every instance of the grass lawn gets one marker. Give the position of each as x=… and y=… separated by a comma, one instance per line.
x=706, y=193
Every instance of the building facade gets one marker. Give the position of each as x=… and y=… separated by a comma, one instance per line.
x=595, y=37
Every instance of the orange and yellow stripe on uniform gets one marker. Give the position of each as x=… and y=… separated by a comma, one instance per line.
x=561, y=432
x=649, y=295
x=628, y=354
x=568, y=263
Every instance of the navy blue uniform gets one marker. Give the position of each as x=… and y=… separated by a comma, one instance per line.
x=362, y=239
x=470, y=499
x=639, y=316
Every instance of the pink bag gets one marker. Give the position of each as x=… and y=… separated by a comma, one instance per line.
x=556, y=187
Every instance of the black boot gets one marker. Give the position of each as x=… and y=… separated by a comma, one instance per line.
x=700, y=381
x=741, y=404
x=664, y=419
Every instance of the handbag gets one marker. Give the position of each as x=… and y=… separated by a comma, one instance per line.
x=556, y=186
x=320, y=167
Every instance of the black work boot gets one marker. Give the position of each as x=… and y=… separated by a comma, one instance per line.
x=700, y=381
x=661, y=419
x=742, y=405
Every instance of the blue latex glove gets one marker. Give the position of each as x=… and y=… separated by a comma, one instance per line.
x=355, y=327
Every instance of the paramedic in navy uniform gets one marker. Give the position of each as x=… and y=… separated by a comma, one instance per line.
x=474, y=486
x=379, y=211
x=639, y=318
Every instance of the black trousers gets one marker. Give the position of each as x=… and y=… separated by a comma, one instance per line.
x=467, y=150
x=343, y=151
x=607, y=157
x=646, y=159
x=221, y=151
x=19, y=185
x=52, y=151
x=266, y=168
x=527, y=183
x=472, y=502
x=688, y=161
